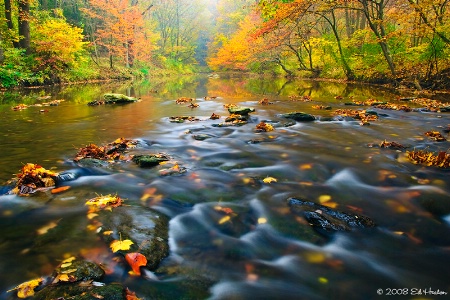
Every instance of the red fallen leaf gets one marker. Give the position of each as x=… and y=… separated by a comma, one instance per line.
x=136, y=260
x=60, y=189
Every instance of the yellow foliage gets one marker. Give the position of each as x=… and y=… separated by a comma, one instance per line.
x=59, y=41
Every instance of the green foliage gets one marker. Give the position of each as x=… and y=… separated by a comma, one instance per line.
x=14, y=69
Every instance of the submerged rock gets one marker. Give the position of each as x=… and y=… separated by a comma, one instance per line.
x=325, y=218
x=299, y=116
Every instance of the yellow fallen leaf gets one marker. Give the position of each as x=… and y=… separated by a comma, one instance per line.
x=224, y=219
x=117, y=245
x=108, y=232
x=323, y=280
x=324, y=198
x=65, y=265
x=262, y=220
x=26, y=289
x=70, y=259
x=63, y=277
x=91, y=215
x=314, y=257
x=68, y=271
x=44, y=229
x=269, y=180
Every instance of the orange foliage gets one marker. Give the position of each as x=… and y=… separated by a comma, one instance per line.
x=121, y=29
x=237, y=52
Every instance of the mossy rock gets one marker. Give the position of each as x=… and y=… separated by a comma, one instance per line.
x=146, y=228
x=80, y=270
x=240, y=110
x=299, y=116
x=148, y=161
x=113, y=291
x=118, y=98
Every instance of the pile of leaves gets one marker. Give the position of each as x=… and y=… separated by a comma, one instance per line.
x=182, y=100
x=369, y=102
x=264, y=101
x=391, y=145
x=431, y=105
x=393, y=106
x=25, y=106
x=428, y=158
x=182, y=119
x=33, y=178
x=325, y=107
x=435, y=135
x=361, y=115
x=110, y=152
x=304, y=98
x=262, y=126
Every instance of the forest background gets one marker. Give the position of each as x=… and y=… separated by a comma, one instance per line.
x=400, y=42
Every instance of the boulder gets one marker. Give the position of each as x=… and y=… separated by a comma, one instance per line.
x=240, y=110
x=327, y=219
x=299, y=116
x=146, y=228
x=151, y=160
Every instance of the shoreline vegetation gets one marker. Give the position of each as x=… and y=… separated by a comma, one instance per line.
x=401, y=44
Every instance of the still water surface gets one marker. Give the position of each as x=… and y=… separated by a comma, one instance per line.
x=263, y=251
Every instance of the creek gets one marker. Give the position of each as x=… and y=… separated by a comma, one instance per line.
x=261, y=250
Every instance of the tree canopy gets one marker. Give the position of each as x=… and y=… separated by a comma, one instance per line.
x=396, y=41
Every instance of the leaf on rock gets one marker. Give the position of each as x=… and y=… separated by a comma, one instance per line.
x=136, y=260
x=26, y=289
x=105, y=201
x=117, y=245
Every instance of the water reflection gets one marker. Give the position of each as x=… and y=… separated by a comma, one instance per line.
x=232, y=234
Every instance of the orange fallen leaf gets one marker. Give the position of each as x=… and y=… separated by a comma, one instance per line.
x=136, y=260
x=60, y=189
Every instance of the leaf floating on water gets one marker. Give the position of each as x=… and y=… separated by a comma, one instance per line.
x=136, y=260
x=269, y=179
x=26, y=289
x=117, y=245
x=262, y=126
x=105, y=201
x=435, y=135
x=60, y=189
x=262, y=220
x=442, y=159
x=44, y=229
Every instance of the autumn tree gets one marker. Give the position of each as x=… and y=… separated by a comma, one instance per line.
x=237, y=52
x=58, y=46
x=119, y=29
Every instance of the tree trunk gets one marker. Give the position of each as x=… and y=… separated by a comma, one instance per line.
x=24, y=25
x=9, y=21
x=347, y=70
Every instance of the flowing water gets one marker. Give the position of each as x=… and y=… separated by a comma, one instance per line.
x=260, y=250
